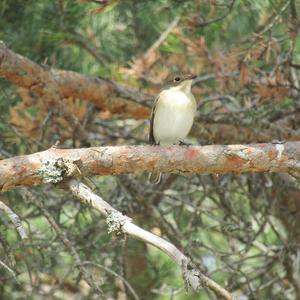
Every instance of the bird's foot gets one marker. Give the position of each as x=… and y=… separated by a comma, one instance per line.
x=181, y=143
x=154, y=144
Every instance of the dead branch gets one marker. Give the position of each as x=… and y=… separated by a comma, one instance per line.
x=146, y=61
x=54, y=165
x=119, y=223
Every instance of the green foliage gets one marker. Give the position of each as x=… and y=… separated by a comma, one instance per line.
x=241, y=230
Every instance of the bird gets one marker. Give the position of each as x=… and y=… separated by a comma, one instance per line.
x=172, y=115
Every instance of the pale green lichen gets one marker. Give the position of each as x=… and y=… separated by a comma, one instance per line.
x=115, y=221
x=52, y=170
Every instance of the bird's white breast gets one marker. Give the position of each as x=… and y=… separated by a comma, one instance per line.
x=174, y=116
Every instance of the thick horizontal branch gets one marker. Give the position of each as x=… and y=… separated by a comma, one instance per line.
x=54, y=165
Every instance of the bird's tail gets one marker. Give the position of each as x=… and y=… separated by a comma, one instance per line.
x=154, y=178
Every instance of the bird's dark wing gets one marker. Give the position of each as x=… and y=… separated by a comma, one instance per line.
x=151, y=135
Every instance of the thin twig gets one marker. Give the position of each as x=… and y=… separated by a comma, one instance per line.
x=14, y=219
x=6, y=267
x=206, y=23
x=128, y=285
x=67, y=243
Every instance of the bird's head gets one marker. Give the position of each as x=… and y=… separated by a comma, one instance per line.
x=183, y=82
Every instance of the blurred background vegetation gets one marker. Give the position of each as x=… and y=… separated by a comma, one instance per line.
x=242, y=230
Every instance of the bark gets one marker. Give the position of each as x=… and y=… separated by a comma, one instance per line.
x=43, y=80
x=36, y=168
x=53, y=85
x=119, y=223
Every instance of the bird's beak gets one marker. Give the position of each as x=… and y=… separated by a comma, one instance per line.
x=190, y=77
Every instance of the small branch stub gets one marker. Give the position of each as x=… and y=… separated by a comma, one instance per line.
x=191, y=276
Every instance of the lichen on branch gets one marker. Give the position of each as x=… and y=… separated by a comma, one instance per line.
x=215, y=159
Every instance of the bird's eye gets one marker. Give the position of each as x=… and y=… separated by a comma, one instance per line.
x=177, y=79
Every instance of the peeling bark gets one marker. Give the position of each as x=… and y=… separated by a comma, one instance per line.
x=219, y=159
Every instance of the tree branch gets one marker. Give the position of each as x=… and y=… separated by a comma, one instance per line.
x=55, y=165
x=44, y=80
x=193, y=276
x=54, y=85
x=15, y=219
